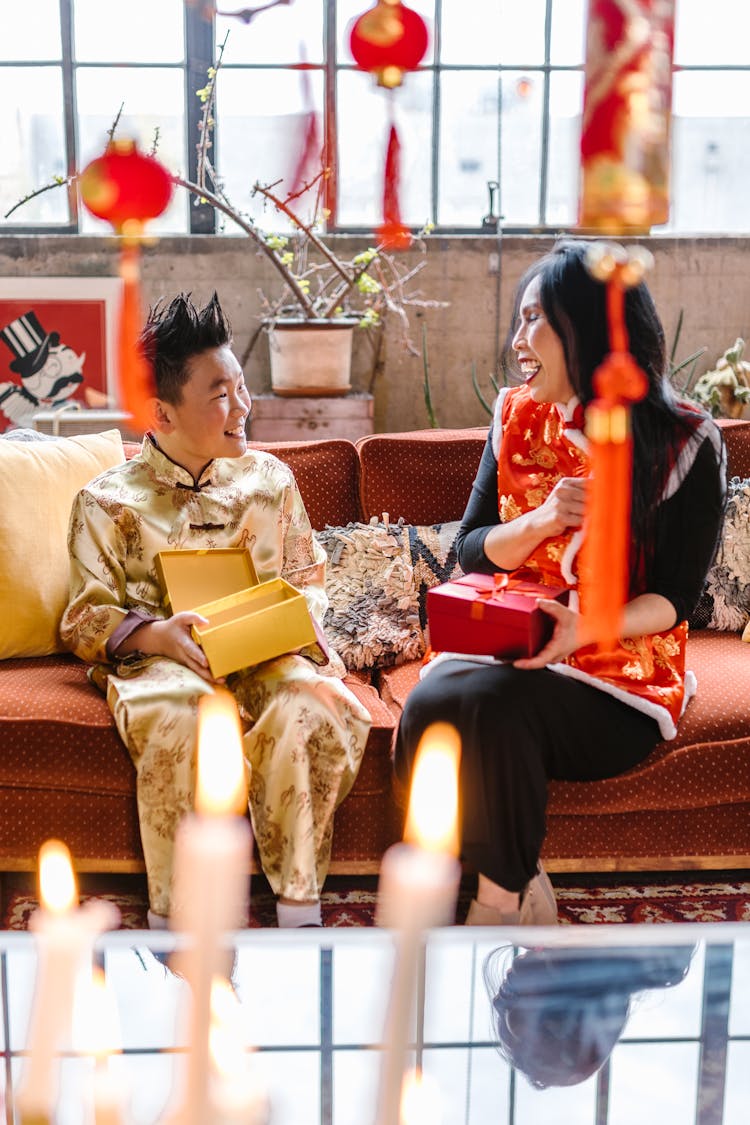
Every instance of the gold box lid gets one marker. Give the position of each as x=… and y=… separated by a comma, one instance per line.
x=192, y=578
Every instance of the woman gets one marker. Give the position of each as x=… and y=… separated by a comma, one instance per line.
x=572, y=712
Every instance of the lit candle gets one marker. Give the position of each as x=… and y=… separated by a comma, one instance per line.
x=100, y=1036
x=420, y=1100
x=64, y=936
x=236, y=1097
x=212, y=861
x=417, y=890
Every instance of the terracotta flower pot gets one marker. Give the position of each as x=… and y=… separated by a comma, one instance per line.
x=311, y=357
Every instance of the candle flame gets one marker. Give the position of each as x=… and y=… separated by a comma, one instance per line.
x=57, y=885
x=225, y=1038
x=221, y=787
x=98, y=1026
x=432, y=819
x=420, y=1100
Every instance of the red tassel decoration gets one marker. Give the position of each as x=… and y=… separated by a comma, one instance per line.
x=618, y=382
x=393, y=234
x=127, y=189
x=137, y=387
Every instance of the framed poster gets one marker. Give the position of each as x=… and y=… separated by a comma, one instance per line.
x=57, y=345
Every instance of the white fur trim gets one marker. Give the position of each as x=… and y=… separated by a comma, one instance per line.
x=570, y=552
x=497, y=424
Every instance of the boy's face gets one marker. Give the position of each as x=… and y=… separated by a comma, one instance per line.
x=209, y=421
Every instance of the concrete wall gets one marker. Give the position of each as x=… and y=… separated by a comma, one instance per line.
x=707, y=278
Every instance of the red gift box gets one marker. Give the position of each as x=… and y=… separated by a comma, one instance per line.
x=490, y=615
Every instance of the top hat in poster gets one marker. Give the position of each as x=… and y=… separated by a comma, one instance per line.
x=29, y=342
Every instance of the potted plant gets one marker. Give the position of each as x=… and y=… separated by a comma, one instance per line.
x=322, y=298
x=725, y=390
x=310, y=321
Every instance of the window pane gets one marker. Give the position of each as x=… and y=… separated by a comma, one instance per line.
x=470, y=103
x=503, y=31
x=563, y=170
x=96, y=41
x=262, y=121
x=15, y=41
x=281, y=35
x=152, y=99
x=568, y=40
x=31, y=123
x=349, y=10
x=363, y=129
x=715, y=32
x=711, y=152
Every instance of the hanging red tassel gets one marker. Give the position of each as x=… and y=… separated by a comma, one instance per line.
x=137, y=387
x=393, y=234
x=618, y=382
x=127, y=188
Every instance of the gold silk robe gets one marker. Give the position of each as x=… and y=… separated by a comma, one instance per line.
x=304, y=731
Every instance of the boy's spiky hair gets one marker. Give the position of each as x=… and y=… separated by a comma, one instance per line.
x=176, y=332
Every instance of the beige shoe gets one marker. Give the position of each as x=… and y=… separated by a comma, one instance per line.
x=538, y=903
x=481, y=915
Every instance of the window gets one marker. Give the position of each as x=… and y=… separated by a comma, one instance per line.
x=489, y=125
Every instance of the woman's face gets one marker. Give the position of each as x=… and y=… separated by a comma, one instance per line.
x=540, y=351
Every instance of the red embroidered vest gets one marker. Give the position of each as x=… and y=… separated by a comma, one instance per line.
x=536, y=451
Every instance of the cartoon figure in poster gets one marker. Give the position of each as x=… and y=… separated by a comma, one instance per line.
x=49, y=370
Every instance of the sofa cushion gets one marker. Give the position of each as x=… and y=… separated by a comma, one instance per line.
x=38, y=482
x=421, y=477
x=327, y=474
x=377, y=580
x=65, y=773
x=725, y=601
x=736, y=434
x=707, y=764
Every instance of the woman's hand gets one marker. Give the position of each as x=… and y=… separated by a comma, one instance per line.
x=564, y=507
x=568, y=635
x=172, y=637
x=508, y=545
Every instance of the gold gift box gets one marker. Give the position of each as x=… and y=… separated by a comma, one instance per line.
x=248, y=621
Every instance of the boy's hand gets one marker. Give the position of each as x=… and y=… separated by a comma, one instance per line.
x=172, y=637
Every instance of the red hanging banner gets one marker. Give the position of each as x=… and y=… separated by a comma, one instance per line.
x=625, y=133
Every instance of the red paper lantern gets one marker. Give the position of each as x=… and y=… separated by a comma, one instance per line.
x=127, y=188
x=388, y=40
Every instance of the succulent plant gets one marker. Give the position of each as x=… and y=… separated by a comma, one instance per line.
x=726, y=389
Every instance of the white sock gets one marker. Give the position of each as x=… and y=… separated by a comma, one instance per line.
x=157, y=921
x=289, y=914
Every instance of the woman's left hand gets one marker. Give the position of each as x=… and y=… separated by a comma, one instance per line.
x=566, y=637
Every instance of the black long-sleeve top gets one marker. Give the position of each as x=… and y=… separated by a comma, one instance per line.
x=688, y=525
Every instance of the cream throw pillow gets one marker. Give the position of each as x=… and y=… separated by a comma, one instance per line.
x=38, y=482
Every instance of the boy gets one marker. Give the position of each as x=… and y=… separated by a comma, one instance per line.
x=194, y=485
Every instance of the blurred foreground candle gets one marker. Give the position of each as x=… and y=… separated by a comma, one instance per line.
x=212, y=860
x=236, y=1097
x=420, y=1100
x=418, y=889
x=99, y=1035
x=64, y=937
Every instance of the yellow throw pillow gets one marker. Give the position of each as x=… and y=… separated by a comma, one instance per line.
x=38, y=482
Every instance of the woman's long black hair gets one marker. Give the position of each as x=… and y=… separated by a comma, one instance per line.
x=574, y=304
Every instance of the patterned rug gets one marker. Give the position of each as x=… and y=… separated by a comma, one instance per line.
x=352, y=902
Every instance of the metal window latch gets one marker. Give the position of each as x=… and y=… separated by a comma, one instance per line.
x=491, y=221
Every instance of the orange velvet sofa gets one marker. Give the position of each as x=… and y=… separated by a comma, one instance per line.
x=65, y=773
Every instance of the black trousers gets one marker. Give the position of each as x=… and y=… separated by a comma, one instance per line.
x=518, y=730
